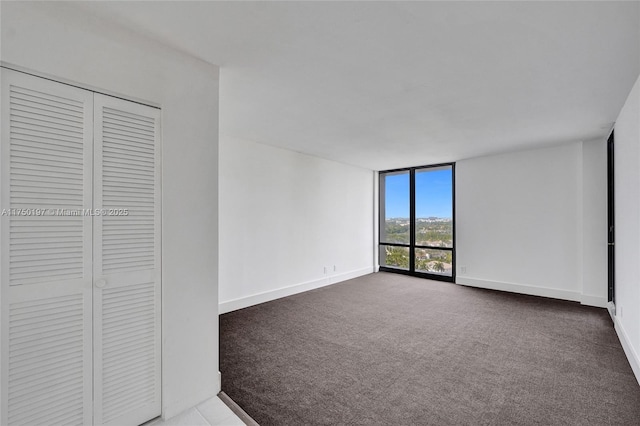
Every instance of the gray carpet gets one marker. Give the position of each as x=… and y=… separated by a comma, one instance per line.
x=388, y=349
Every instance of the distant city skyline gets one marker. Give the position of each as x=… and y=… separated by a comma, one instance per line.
x=433, y=194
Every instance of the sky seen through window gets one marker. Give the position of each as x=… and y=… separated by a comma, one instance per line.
x=433, y=194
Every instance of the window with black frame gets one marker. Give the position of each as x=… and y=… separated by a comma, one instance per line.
x=417, y=232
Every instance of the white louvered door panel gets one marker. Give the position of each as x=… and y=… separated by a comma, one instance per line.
x=126, y=262
x=45, y=265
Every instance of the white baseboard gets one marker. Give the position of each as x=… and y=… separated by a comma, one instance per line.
x=597, y=301
x=632, y=355
x=267, y=296
x=521, y=288
x=584, y=299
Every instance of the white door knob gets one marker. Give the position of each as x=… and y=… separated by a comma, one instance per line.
x=101, y=283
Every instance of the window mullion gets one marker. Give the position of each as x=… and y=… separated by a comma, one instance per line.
x=412, y=220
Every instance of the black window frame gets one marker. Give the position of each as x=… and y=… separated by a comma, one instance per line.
x=412, y=224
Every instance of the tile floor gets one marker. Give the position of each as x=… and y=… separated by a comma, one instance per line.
x=212, y=412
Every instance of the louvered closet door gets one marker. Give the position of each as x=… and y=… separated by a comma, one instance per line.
x=46, y=252
x=126, y=262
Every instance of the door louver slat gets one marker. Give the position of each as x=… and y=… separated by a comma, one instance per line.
x=37, y=191
x=116, y=193
x=36, y=370
x=124, y=351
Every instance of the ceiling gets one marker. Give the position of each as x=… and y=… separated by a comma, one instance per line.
x=383, y=85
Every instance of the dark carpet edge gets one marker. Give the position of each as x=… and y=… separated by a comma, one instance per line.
x=237, y=410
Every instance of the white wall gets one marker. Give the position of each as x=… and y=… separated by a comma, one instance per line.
x=60, y=41
x=284, y=217
x=524, y=218
x=594, y=223
x=627, y=221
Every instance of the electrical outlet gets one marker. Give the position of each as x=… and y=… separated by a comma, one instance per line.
x=334, y=268
x=325, y=270
x=463, y=269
